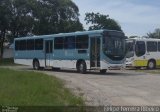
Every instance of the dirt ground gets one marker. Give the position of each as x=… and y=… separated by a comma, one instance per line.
x=116, y=87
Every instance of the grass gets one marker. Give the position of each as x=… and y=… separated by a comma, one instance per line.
x=6, y=62
x=23, y=88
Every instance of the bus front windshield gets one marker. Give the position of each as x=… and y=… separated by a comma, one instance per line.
x=130, y=48
x=114, y=47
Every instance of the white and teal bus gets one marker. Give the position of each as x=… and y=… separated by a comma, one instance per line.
x=86, y=50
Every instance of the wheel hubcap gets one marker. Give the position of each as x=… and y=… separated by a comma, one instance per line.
x=36, y=65
x=81, y=67
x=151, y=65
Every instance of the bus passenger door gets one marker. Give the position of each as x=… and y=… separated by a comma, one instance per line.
x=48, y=52
x=95, y=52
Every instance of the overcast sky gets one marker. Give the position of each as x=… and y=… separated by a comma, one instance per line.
x=136, y=17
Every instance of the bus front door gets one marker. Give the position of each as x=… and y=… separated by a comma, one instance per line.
x=48, y=52
x=95, y=52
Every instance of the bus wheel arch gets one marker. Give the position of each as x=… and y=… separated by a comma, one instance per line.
x=36, y=64
x=81, y=66
x=151, y=64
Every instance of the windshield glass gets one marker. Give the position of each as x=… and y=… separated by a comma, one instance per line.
x=130, y=48
x=114, y=46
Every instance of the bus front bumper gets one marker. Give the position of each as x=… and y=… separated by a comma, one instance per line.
x=105, y=65
x=116, y=66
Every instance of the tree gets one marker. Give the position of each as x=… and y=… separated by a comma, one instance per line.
x=155, y=34
x=5, y=16
x=22, y=21
x=99, y=21
x=57, y=16
x=38, y=17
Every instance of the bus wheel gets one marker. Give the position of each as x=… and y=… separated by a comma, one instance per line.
x=82, y=67
x=103, y=71
x=36, y=65
x=151, y=65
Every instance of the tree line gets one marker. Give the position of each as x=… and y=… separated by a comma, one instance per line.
x=155, y=34
x=37, y=17
x=20, y=18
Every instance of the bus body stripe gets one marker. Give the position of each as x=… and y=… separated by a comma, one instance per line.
x=144, y=62
x=140, y=62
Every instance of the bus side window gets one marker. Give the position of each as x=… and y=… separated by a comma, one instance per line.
x=69, y=42
x=158, y=46
x=22, y=45
x=82, y=41
x=152, y=46
x=59, y=43
x=140, y=48
x=17, y=46
x=39, y=44
x=30, y=44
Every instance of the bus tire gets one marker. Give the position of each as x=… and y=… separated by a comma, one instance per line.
x=151, y=65
x=36, y=65
x=103, y=71
x=82, y=68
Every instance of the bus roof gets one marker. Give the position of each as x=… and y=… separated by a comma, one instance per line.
x=143, y=39
x=67, y=34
